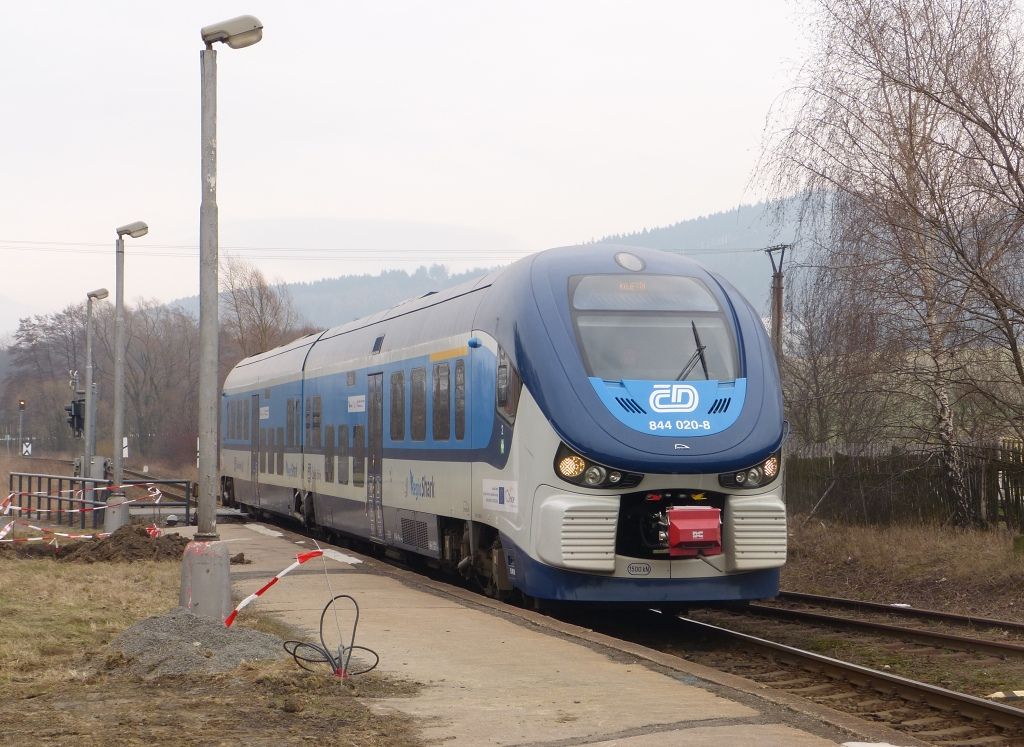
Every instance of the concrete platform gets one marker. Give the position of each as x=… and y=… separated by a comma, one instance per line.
x=499, y=675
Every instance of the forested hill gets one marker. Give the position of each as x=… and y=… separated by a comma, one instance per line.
x=728, y=243
x=333, y=301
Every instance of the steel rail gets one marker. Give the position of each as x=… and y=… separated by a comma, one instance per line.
x=794, y=596
x=938, y=697
x=1000, y=648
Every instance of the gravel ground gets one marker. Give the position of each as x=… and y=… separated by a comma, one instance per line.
x=182, y=643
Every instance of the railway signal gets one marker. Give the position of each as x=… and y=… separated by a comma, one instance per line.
x=75, y=415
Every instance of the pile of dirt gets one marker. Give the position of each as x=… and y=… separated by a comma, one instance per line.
x=129, y=543
x=181, y=643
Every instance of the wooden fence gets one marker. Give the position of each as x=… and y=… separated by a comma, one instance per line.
x=898, y=484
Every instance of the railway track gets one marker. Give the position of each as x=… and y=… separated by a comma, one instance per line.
x=930, y=713
x=799, y=600
x=924, y=678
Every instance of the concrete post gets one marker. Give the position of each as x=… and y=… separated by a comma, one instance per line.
x=90, y=398
x=116, y=515
x=205, y=566
x=208, y=302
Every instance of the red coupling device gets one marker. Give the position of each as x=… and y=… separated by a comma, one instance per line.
x=694, y=530
x=341, y=673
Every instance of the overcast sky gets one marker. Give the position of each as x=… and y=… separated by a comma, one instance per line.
x=363, y=135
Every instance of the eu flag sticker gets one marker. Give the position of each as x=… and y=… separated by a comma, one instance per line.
x=501, y=496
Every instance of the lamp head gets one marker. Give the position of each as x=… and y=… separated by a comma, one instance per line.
x=21, y=404
x=99, y=294
x=135, y=230
x=243, y=31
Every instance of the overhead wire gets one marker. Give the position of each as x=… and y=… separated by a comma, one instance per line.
x=305, y=253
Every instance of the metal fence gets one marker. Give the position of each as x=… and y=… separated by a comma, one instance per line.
x=77, y=501
x=899, y=484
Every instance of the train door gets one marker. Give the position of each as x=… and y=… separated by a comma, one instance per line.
x=254, y=447
x=375, y=453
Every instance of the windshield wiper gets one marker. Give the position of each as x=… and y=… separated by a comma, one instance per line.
x=698, y=355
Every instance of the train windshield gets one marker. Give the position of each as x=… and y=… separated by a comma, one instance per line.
x=652, y=327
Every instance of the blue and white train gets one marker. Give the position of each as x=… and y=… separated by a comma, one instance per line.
x=593, y=424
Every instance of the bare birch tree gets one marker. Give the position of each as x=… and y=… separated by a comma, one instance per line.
x=255, y=315
x=862, y=148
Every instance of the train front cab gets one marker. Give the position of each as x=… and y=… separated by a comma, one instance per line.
x=665, y=384
x=573, y=543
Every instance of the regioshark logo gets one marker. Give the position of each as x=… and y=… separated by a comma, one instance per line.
x=673, y=398
x=422, y=488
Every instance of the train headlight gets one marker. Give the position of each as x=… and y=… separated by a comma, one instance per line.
x=571, y=467
x=574, y=468
x=754, y=477
x=594, y=475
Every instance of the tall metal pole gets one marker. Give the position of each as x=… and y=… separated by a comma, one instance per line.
x=90, y=425
x=21, y=417
x=777, y=296
x=116, y=514
x=208, y=300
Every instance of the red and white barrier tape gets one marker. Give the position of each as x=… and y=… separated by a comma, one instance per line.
x=47, y=534
x=301, y=558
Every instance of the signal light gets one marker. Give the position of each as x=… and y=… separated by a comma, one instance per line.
x=757, y=476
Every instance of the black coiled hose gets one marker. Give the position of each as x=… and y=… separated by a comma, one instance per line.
x=309, y=653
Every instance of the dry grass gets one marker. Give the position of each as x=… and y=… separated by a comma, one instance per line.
x=61, y=685
x=928, y=566
x=53, y=613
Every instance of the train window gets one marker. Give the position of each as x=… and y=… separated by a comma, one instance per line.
x=350, y=378
x=290, y=422
x=263, y=449
x=378, y=344
x=316, y=423
x=419, y=404
x=652, y=328
x=343, y=454
x=309, y=420
x=271, y=453
x=329, y=454
x=508, y=387
x=398, y=406
x=460, y=400
x=358, y=456
x=442, y=413
x=280, y=450
x=245, y=428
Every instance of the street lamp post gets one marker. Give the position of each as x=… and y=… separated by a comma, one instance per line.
x=21, y=417
x=236, y=33
x=90, y=398
x=117, y=514
x=205, y=575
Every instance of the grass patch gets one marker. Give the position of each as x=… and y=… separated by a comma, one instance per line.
x=53, y=613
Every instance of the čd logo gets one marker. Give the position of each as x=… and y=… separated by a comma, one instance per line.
x=673, y=398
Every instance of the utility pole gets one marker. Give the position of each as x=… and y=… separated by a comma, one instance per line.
x=777, y=296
